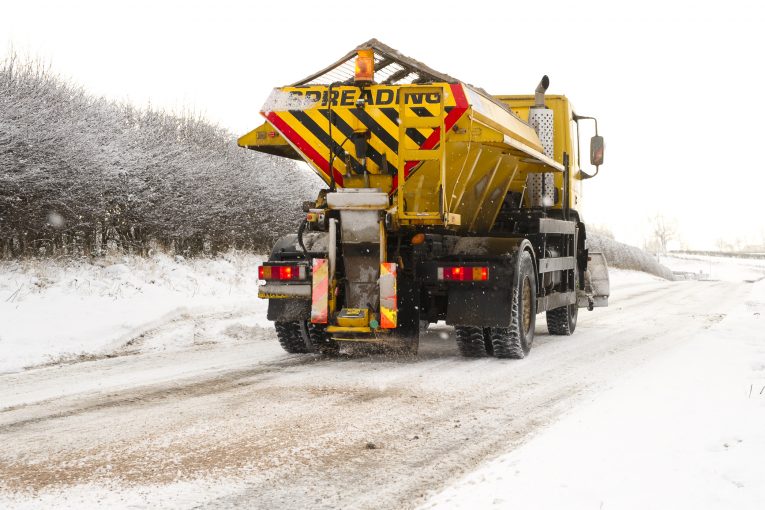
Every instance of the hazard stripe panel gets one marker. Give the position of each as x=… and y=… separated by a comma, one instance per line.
x=388, y=297
x=308, y=129
x=320, y=292
x=302, y=146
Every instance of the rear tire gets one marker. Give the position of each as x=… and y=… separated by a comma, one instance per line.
x=471, y=341
x=407, y=329
x=562, y=321
x=291, y=337
x=409, y=338
x=515, y=341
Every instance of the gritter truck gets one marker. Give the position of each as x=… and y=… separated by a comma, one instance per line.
x=442, y=203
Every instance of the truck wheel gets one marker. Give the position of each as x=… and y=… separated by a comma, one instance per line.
x=321, y=340
x=409, y=336
x=471, y=341
x=291, y=337
x=562, y=321
x=408, y=327
x=515, y=341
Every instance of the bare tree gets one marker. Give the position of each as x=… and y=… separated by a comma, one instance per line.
x=663, y=230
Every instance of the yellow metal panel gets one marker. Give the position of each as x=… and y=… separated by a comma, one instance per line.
x=424, y=122
x=263, y=135
x=269, y=295
x=348, y=329
x=353, y=317
x=421, y=155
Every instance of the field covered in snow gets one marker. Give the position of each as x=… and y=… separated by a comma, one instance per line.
x=68, y=310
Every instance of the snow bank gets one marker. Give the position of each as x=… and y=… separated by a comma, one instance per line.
x=703, y=267
x=685, y=431
x=624, y=256
x=54, y=310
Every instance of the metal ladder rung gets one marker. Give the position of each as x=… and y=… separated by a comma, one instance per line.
x=420, y=155
x=422, y=122
x=407, y=155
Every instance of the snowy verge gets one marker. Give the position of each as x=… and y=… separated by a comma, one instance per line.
x=684, y=431
x=58, y=310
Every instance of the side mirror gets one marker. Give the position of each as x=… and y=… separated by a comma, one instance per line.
x=597, y=145
x=596, y=150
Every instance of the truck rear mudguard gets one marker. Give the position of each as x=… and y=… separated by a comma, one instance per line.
x=483, y=303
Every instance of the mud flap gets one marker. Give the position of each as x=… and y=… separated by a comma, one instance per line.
x=289, y=310
x=469, y=306
x=597, y=286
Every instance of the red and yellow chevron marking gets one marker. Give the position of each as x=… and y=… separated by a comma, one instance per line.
x=388, y=297
x=320, y=292
x=302, y=116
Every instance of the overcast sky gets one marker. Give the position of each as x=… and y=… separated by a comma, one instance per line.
x=677, y=86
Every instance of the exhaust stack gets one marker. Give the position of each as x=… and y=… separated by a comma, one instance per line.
x=541, y=187
x=539, y=93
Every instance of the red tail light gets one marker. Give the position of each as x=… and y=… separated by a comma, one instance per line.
x=281, y=272
x=463, y=273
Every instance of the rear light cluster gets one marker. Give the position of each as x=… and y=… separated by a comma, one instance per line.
x=463, y=273
x=282, y=272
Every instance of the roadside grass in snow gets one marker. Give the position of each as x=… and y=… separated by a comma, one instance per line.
x=68, y=310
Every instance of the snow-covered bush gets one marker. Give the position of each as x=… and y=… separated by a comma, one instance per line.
x=80, y=174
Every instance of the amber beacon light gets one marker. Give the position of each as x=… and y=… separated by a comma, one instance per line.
x=365, y=66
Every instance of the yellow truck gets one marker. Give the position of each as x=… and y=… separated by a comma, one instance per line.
x=443, y=203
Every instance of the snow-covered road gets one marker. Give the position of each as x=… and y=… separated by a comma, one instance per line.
x=244, y=425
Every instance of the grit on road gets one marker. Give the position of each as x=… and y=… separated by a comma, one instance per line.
x=252, y=427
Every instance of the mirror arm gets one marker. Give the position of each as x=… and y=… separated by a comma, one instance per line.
x=581, y=174
x=578, y=117
x=578, y=145
x=584, y=176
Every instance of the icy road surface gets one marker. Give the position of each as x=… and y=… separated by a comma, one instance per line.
x=246, y=425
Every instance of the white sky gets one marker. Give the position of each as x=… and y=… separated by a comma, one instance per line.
x=676, y=86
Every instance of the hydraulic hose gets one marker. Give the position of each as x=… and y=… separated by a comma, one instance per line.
x=300, y=231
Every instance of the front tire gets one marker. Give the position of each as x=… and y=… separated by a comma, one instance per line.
x=515, y=341
x=562, y=321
